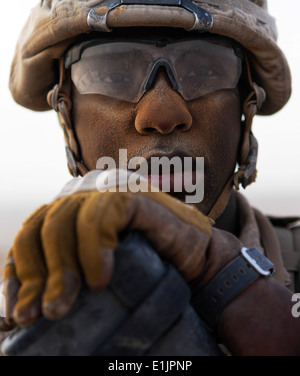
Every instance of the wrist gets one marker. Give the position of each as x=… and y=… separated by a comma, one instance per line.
x=229, y=283
x=249, y=325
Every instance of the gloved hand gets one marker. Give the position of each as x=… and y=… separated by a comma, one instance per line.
x=77, y=234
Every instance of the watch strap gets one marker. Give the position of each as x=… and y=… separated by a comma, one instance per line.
x=229, y=283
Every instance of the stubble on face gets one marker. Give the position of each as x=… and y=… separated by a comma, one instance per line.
x=106, y=125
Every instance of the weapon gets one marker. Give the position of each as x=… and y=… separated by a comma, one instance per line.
x=145, y=310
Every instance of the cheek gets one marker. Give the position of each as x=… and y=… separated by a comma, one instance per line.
x=101, y=126
x=217, y=131
x=217, y=123
x=227, y=133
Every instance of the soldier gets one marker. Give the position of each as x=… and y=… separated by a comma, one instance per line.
x=162, y=78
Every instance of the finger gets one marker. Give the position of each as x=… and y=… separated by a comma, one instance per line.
x=185, y=212
x=99, y=220
x=216, y=260
x=184, y=244
x=60, y=247
x=30, y=269
x=5, y=326
x=10, y=288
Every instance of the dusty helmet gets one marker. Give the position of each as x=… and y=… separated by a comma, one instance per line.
x=53, y=25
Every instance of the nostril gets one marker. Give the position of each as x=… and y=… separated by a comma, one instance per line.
x=181, y=127
x=149, y=130
x=166, y=128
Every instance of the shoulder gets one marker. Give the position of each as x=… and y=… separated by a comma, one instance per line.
x=287, y=230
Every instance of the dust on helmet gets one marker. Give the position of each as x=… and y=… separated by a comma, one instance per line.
x=53, y=25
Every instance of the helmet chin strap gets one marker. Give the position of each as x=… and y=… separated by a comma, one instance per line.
x=245, y=175
x=59, y=99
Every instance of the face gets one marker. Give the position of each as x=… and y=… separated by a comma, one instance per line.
x=163, y=123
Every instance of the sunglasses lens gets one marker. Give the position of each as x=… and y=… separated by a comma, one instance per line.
x=125, y=70
x=115, y=70
x=206, y=67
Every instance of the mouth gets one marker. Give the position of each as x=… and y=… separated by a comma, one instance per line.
x=174, y=172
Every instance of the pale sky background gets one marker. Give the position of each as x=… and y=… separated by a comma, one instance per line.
x=32, y=156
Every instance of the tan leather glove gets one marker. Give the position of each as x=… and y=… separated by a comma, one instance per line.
x=76, y=235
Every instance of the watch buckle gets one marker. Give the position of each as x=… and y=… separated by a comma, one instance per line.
x=253, y=262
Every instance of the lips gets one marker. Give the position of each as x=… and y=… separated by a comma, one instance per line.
x=172, y=172
x=175, y=183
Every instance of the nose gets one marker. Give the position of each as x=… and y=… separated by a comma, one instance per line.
x=162, y=109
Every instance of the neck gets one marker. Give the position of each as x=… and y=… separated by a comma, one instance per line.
x=229, y=219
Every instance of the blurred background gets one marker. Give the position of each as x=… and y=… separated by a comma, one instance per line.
x=32, y=154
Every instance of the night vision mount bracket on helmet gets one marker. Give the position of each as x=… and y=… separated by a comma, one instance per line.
x=97, y=17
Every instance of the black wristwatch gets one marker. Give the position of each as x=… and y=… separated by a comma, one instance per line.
x=229, y=283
